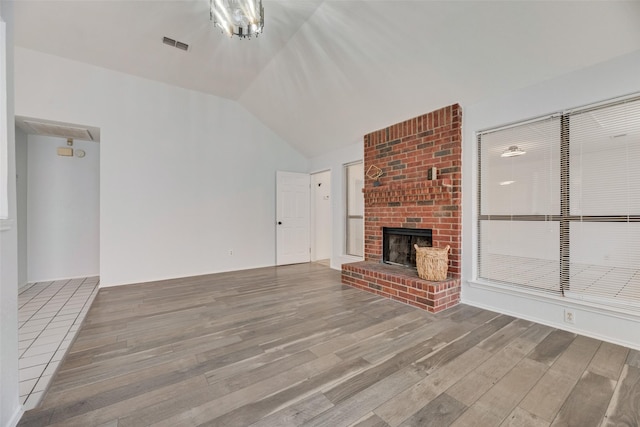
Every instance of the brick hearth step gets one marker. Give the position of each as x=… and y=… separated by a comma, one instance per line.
x=402, y=284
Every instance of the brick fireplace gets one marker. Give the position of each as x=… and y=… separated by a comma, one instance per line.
x=405, y=197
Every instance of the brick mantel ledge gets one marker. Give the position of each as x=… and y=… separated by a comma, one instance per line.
x=439, y=189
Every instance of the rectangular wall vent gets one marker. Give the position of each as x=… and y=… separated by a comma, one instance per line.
x=175, y=43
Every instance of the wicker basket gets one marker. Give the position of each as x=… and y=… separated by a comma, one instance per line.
x=432, y=263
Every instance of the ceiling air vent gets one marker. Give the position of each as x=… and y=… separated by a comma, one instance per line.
x=63, y=131
x=175, y=43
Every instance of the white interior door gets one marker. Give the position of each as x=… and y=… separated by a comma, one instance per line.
x=292, y=218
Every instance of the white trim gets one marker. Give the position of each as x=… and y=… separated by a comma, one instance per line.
x=591, y=306
x=4, y=130
x=15, y=419
x=561, y=326
x=65, y=278
x=351, y=258
x=602, y=323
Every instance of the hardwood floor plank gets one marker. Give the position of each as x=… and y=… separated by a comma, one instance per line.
x=624, y=409
x=476, y=417
x=521, y=418
x=408, y=402
x=120, y=408
x=469, y=389
x=391, y=340
x=215, y=408
x=575, y=359
x=587, y=403
x=536, y=333
x=372, y=420
x=552, y=347
x=633, y=359
x=400, y=360
x=502, y=398
x=548, y=395
x=608, y=360
x=258, y=408
x=450, y=351
x=505, y=335
x=354, y=408
x=296, y=414
x=289, y=346
x=441, y=411
x=246, y=377
x=62, y=395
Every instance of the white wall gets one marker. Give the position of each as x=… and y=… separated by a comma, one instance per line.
x=603, y=81
x=63, y=210
x=321, y=213
x=335, y=161
x=183, y=175
x=10, y=408
x=21, y=196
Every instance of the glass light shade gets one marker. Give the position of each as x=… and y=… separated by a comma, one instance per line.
x=513, y=151
x=242, y=18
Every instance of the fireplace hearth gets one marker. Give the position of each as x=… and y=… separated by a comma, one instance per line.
x=397, y=244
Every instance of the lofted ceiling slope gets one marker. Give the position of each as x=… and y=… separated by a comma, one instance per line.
x=324, y=73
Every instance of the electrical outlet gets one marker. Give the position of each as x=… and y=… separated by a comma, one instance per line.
x=230, y=251
x=569, y=316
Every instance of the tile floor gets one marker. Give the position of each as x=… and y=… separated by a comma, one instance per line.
x=49, y=315
x=616, y=285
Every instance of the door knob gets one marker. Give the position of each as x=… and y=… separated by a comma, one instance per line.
x=279, y=222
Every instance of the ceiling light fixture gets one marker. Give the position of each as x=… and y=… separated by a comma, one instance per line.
x=513, y=151
x=242, y=18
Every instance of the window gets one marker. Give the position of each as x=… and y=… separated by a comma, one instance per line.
x=559, y=204
x=354, y=173
x=4, y=164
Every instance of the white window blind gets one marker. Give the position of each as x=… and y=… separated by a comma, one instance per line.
x=520, y=205
x=563, y=216
x=604, y=192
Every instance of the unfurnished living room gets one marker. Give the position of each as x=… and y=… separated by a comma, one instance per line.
x=334, y=213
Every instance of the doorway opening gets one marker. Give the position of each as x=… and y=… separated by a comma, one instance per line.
x=321, y=223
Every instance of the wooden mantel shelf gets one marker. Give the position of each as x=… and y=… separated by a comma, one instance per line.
x=415, y=191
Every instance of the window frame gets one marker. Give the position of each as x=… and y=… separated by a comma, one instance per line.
x=349, y=215
x=565, y=218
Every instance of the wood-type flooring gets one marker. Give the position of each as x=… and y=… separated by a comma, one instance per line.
x=291, y=346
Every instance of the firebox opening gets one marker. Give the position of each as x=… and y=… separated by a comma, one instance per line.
x=397, y=244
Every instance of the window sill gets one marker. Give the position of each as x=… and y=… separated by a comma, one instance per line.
x=593, y=304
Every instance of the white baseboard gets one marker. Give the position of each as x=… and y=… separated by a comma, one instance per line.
x=13, y=421
x=613, y=325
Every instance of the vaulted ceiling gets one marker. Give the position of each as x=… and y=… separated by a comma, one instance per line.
x=325, y=72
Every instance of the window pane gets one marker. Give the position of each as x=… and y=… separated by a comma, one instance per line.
x=527, y=184
x=355, y=236
x=521, y=252
x=355, y=197
x=605, y=154
x=354, y=244
x=605, y=260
